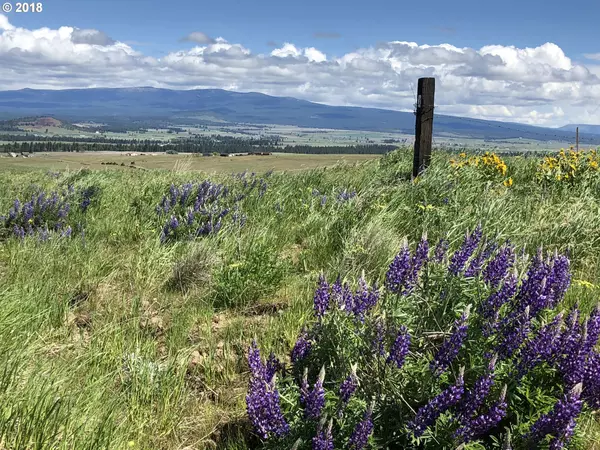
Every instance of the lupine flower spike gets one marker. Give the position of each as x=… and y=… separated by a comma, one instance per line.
x=452, y=345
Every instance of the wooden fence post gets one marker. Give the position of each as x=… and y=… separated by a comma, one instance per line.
x=577, y=138
x=424, y=124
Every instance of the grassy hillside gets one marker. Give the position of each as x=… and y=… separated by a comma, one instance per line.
x=113, y=339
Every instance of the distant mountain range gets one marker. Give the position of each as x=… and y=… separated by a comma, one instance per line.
x=219, y=106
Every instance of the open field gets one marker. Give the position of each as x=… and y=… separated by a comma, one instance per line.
x=293, y=135
x=94, y=160
x=114, y=338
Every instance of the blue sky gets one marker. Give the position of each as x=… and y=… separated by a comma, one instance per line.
x=535, y=62
x=573, y=25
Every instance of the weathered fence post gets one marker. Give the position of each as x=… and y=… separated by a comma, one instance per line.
x=577, y=138
x=424, y=124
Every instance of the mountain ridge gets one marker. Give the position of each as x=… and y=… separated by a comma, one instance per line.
x=218, y=106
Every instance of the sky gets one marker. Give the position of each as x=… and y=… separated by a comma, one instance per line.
x=528, y=61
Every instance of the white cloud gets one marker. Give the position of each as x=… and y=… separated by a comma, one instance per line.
x=199, y=37
x=538, y=85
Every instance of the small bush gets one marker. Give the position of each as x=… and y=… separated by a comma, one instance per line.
x=194, y=270
x=257, y=274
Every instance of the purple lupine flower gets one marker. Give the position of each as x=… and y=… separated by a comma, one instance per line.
x=337, y=292
x=399, y=270
x=44, y=234
x=324, y=438
x=399, y=349
x=273, y=365
x=482, y=424
x=321, y=298
x=593, y=331
x=262, y=400
x=67, y=232
x=533, y=293
x=474, y=268
x=591, y=381
x=323, y=200
x=418, y=260
x=362, y=431
x=490, y=308
x=347, y=299
x=348, y=386
x=190, y=218
x=560, y=422
x=428, y=414
x=559, y=280
x=452, y=345
x=313, y=399
x=514, y=334
x=19, y=231
x=476, y=396
x=462, y=255
x=365, y=298
x=440, y=250
x=570, y=354
x=301, y=348
x=541, y=347
x=497, y=269
x=378, y=342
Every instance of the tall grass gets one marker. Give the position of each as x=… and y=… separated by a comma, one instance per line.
x=113, y=340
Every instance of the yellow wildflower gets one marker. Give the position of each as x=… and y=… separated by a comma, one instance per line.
x=508, y=182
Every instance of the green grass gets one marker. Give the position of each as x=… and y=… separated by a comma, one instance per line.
x=153, y=357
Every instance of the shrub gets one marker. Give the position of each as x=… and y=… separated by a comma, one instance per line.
x=257, y=274
x=46, y=214
x=569, y=167
x=454, y=349
x=194, y=210
x=489, y=166
x=194, y=269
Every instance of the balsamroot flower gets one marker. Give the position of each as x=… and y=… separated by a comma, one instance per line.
x=428, y=414
x=560, y=422
x=452, y=345
x=399, y=349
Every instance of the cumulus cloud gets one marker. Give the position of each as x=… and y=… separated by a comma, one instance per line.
x=198, y=37
x=91, y=37
x=539, y=85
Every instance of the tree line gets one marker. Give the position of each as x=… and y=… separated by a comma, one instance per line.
x=196, y=144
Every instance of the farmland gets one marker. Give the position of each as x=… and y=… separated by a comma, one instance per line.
x=124, y=328
x=120, y=161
